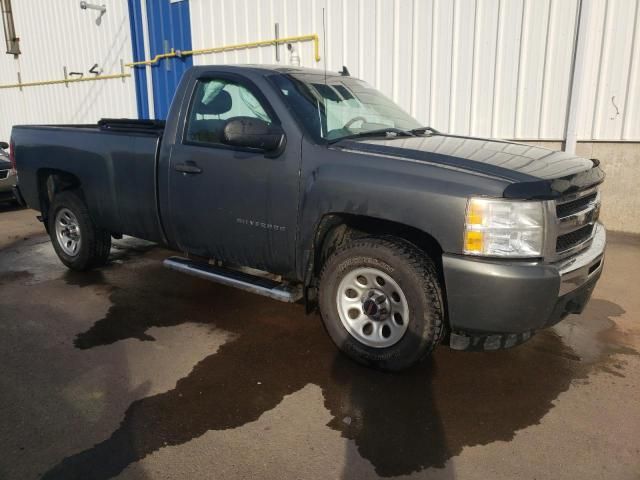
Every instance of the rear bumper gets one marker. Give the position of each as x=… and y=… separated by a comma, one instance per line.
x=6, y=196
x=495, y=304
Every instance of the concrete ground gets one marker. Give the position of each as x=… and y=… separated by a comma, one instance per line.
x=137, y=372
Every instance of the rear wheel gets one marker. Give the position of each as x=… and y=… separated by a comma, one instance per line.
x=381, y=302
x=79, y=243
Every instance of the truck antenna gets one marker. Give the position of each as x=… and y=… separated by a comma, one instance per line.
x=324, y=45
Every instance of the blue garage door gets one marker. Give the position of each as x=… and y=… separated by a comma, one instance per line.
x=169, y=28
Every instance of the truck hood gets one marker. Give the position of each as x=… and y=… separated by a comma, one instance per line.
x=534, y=172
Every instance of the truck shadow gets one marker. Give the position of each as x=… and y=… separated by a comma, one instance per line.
x=400, y=423
x=9, y=207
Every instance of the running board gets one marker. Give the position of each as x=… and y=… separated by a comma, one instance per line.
x=233, y=278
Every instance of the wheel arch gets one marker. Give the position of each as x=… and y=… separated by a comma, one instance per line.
x=333, y=229
x=52, y=181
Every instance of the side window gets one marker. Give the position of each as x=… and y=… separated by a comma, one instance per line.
x=217, y=101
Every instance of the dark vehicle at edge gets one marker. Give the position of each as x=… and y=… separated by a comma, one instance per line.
x=7, y=175
x=296, y=185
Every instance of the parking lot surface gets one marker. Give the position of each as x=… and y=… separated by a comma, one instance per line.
x=138, y=372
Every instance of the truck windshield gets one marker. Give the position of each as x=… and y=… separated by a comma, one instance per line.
x=341, y=107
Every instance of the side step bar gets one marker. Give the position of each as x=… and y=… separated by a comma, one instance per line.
x=233, y=278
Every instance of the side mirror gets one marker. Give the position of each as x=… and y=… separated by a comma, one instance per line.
x=253, y=133
x=4, y=145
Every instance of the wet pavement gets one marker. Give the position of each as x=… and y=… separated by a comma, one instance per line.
x=135, y=371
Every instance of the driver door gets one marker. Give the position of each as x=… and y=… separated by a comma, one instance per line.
x=230, y=203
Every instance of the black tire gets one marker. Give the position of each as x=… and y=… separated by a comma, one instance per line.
x=414, y=272
x=95, y=242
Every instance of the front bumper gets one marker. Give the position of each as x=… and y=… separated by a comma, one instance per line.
x=495, y=304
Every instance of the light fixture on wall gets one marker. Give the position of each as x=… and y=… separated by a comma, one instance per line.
x=294, y=58
x=90, y=6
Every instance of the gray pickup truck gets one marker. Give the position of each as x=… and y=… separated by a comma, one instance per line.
x=301, y=185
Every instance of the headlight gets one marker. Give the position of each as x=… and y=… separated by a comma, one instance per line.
x=504, y=228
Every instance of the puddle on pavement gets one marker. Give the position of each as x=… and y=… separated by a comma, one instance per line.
x=401, y=423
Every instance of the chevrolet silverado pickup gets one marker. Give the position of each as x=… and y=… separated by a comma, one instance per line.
x=307, y=186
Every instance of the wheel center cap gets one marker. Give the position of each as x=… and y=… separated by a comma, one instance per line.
x=370, y=307
x=375, y=305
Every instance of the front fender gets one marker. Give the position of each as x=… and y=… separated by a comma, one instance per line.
x=427, y=197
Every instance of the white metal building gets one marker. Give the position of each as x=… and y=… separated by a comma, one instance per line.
x=500, y=68
x=54, y=36
x=534, y=70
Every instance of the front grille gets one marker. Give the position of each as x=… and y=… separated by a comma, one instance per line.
x=571, y=239
x=4, y=174
x=576, y=215
x=569, y=208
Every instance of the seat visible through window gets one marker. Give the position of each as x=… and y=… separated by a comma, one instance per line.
x=215, y=103
x=206, y=124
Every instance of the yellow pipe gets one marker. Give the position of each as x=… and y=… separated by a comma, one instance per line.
x=262, y=43
x=70, y=80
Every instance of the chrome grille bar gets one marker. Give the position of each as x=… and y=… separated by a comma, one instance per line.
x=574, y=231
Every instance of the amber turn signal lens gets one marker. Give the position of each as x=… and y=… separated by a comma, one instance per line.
x=473, y=241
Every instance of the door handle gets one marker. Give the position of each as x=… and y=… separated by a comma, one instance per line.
x=188, y=167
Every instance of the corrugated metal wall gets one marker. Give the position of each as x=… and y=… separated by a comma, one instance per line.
x=610, y=105
x=482, y=67
x=57, y=34
x=498, y=68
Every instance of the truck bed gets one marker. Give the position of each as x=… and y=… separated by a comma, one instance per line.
x=114, y=160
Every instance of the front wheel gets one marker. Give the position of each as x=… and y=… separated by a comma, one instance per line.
x=381, y=302
x=79, y=243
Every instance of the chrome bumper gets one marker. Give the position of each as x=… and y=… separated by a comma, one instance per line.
x=577, y=270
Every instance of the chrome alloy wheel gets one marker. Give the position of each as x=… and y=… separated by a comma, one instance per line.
x=372, y=307
x=68, y=232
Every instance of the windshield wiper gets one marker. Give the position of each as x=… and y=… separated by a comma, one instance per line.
x=417, y=131
x=395, y=132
